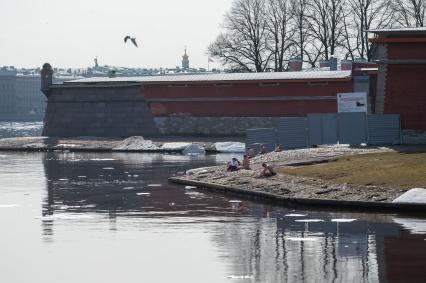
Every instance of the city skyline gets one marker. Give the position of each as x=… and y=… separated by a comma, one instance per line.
x=73, y=35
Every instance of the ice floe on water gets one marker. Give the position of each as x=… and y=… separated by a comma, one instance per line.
x=190, y=187
x=295, y=215
x=108, y=168
x=8, y=205
x=175, y=146
x=154, y=185
x=194, y=149
x=231, y=147
x=301, y=239
x=309, y=220
x=239, y=277
x=68, y=216
x=343, y=220
x=63, y=179
x=143, y=194
x=128, y=188
x=81, y=177
x=234, y=201
x=136, y=143
x=102, y=159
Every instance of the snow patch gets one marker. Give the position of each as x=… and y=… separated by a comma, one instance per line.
x=343, y=220
x=416, y=195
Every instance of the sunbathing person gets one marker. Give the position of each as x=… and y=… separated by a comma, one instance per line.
x=268, y=171
x=246, y=162
x=233, y=165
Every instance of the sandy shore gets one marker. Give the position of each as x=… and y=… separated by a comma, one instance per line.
x=288, y=187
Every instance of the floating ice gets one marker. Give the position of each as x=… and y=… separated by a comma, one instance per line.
x=194, y=149
x=235, y=201
x=128, y=188
x=190, y=187
x=239, y=277
x=136, y=143
x=108, y=168
x=232, y=147
x=343, y=220
x=135, y=176
x=8, y=205
x=175, y=146
x=295, y=215
x=309, y=220
x=63, y=179
x=102, y=159
x=154, y=185
x=82, y=177
x=301, y=239
x=143, y=194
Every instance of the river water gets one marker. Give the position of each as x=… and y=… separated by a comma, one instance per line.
x=112, y=217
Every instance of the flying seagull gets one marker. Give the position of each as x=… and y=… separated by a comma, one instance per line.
x=132, y=39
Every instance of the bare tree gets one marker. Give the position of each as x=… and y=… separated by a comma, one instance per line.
x=410, y=13
x=364, y=15
x=326, y=23
x=281, y=31
x=299, y=13
x=244, y=44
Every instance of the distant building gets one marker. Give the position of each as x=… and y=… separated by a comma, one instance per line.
x=185, y=61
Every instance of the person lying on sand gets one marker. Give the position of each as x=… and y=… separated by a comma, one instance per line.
x=268, y=171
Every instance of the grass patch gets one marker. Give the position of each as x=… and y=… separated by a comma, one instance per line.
x=406, y=170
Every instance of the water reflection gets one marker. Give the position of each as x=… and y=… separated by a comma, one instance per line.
x=124, y=199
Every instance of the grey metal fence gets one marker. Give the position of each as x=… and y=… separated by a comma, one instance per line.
x=352, y=128
x=384, y=129
x=328, y=128
x=322, y=128
x=292, y=132
x=256, y=137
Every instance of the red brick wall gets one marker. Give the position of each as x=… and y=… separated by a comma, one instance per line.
x=245, y=108
x=406, y=95
x=402, y=51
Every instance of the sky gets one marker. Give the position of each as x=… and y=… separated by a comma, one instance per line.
x=72, y=33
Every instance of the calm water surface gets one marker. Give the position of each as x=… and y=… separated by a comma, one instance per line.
x=79, y=217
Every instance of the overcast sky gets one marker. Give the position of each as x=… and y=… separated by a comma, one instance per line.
x=71, y=33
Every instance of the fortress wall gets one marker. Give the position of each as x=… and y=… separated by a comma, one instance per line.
x=102, y=111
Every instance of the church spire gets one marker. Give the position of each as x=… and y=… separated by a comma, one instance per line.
x=185, y=61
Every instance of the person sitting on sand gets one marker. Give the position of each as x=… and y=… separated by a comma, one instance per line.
x=268, y=171
x=263, y=149
x=279, y=148
x=250, y=153
x=246, y=162
x=233, y=165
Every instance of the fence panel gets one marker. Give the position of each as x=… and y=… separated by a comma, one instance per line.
x=322, y=128
x=384, y=129
x=352, y=128
x=256, y=137
x=292, y=132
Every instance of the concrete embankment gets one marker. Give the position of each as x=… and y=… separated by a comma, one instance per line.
x=298, y=190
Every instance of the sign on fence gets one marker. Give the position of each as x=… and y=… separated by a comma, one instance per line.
x=352, y=102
